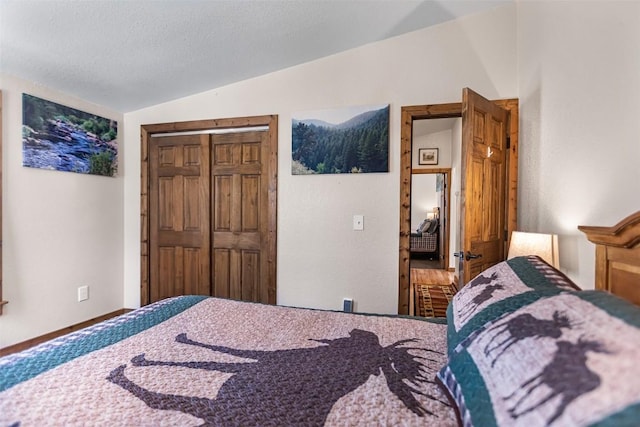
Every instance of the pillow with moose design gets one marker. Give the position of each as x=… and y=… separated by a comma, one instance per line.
x=500, y=289
x=569, y=359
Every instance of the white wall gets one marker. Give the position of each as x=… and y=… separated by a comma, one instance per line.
x=423, y=197
x=579, y=90
x=440, y=140
x=456, y=185
x=449, y=143
x=320, y=259
x=61, y=230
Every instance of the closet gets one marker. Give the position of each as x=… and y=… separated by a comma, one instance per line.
x=210, y=209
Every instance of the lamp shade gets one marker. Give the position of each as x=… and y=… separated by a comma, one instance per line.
x=543, y=245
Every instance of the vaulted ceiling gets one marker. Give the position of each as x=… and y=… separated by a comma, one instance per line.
x=130, y=54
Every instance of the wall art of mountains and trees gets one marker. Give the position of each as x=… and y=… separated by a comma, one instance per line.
x=357, y=144
x=62, y=138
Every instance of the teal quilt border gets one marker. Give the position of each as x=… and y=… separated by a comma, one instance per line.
x=23, y=366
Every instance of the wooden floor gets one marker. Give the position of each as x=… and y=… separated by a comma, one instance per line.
x=429, y=277
x=432, y=276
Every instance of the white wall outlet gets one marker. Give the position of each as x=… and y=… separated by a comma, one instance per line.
x=83, y=293
x=358, y=222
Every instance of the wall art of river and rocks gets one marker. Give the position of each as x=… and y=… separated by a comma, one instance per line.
x=64, y=146
x=62, y=138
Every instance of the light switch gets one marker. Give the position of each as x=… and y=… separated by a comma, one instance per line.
x=358, y=222
x=83, y=293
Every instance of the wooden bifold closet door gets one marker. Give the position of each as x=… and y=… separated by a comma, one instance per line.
x=208, y=215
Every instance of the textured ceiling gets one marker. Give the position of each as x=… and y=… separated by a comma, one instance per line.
x=130, y=54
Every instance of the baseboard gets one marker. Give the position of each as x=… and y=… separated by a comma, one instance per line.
x=51, y=335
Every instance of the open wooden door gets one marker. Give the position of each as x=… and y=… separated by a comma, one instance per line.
x=483, y=197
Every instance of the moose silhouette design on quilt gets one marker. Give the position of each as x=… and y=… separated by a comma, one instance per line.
x=467, y=311
x=566, y=376
x=292, y=386
x=481, y=279
x=524, y=326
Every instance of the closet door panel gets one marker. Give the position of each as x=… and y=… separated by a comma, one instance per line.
x=179, y=216
x=240, y=198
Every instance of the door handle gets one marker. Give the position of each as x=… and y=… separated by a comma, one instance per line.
x=472, y=256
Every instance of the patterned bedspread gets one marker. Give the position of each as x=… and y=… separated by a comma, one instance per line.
x=207, y=361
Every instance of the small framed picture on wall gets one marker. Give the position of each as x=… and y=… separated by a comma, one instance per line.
x=428, y=156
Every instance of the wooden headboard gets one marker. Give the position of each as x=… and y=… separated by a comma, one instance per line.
x=618, y=257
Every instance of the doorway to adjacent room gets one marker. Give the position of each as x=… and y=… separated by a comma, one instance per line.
x=487, y=171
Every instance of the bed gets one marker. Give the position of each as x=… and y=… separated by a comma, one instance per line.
x=521, y=345
x=425, y=239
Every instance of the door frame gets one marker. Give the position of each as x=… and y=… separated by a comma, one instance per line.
x=441, y=111
x=146, y=133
